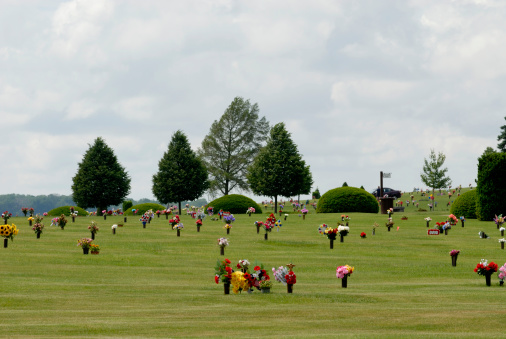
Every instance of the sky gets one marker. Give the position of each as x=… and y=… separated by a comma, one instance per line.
x=362, y=86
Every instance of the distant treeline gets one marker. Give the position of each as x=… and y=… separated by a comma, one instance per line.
x=44, y=203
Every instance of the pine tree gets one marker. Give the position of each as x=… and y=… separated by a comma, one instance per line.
x=502, y=139
x=232, y=144
x=100, y=180
x=279, y=170
x=181, y=174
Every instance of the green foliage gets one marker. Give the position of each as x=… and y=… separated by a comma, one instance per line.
x=40, y=203
x=142, y=208
x=489, y=150
x=127, y=204
x=232, y=144
x=465, y=205
x=362, y=187
x=345, y=184
x=56, y=212
x=433, y=176
x=181, y=174
x=502, y=139
x=491, y=186
x=235, y=204
x=100, y=180
x=279, y=170
x=347, y=199
x=316, y=193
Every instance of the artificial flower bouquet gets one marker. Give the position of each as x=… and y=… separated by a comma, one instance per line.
x=250, y=211
x=243, y=265
x=389, y=223
x=452, y=219
x=229, y=219
x=174, y=221
x=198, y=223
x=62, y=221
x=304, y=211
x=265, y=284
x=85, y=244
x=485, y=268
x=343, y=230
x=8, y=231
x=93, y=227
x=502, y=274
x=454, y=253
x=280, y=274
x=24, y=210
x=6, y=215
x=390, y=211
x=222, y=242
x=94, y=249
x=178, y=227
x=144, y=219
x=344, y=271
x=38, y=226
x=210, y=210
x=363, y=235
x=499, y=220
x=223, y=272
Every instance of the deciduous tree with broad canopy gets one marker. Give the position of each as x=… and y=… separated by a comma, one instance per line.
x=232, y=144
x=279, y=170
x=181, y=174
x=433, y=175
x=100, y=180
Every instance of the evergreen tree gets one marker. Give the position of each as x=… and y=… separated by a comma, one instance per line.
x=489, y=150
x=433, y=175
x=502, y=139
x=232, y=144
x=279, y=170
x=181, y=174
x=100, y=180
x=316, y=193
x=345, y=184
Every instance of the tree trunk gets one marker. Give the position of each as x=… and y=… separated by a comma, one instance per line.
x=179, y=207
x=100, y=209
x=275, y=204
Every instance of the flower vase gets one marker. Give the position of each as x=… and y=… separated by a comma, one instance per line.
x=73, y=219
x=86, y=250
x=331, y=244
x=446, y=231
x=454, y=260
x=289, y=288
x=342, y=237
x=389, y=228
x=113, y=231
x=347, y=224
x=487, y=279
x=178, y=233
x=427, y=224
x=303, y=217
x=285, y=218
x=124, y=219
x=265, y=236
x=5, y=221
x=497, y=226
x=166, y=216
x=222, y=250
x=373, y=231
x=95, y=252
x=501, y=282
x=258, y=229
x=462, y=221
x=344, y=282
x=198, y=228
x=105, y=216
x=30, y=222
x=280, y=213
x=502, y=246
x=38, y=235
x=226, y=288
x=143, y=224
x=266, y=290
x=228, y=230
x=92, y=236
x=158, y=215
x=220, y=216
x=6, y=242
x=502, y=233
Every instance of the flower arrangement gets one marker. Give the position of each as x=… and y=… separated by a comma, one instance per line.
x=452, y=219
x=390, y=211
x=502, y=240
x=484, y=268
x=239, y=282
x=265, y=284
x=454, y=252
x=210, y=210
x=178, y=227
x=290, y=278
x=250, y=210
x=344, y=271
x=38, y=226
x=229, y=219
x=304, y=211
x=347, y=219
x=223, y=272
x=343, y=230
x=24, y=210
x=6, y=215
x=93, y=227
x=502, y=273
x=222, y=242
x=62, y=221
x=174, y=221
x=45, y=214
x=94, y=248
x=499, y=220
x=84, y=243
x=8, y=231
x=31, y=210
x=280, y=274
x=198, y=223
x=278, y=225
x=363, y=235
x=389, y=223
x=428, y=219
x=483, y=235
x=243, y=264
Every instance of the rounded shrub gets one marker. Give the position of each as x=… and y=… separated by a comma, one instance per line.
x=235, y=204
x=66, y=210
x=142, y=208
x=347, y=199
x=465, y=205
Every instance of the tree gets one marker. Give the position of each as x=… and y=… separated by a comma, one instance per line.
x=279, y=169
x=502, y=139
x=433, y=175
x=345, y=184
x=181, y=174
x=316, y=194
x=100, y=180
x=232, y=144
x=489, y=150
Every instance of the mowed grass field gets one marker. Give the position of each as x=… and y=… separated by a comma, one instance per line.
x=151, y=283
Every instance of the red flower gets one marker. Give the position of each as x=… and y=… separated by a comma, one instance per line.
x=238, y=266
x=257, y=268
x=227, y=261
x=228, y=269
x=217, y=279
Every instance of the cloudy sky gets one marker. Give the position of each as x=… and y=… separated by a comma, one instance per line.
x=362, y=86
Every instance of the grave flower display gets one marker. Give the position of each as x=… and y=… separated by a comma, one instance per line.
x=178, y=227
x=343, y=231
x=486, y=269
x=502, y=241
x=250, y=210
x=343, y=272
x=499, y=220
x=38, y=226
x=454, y=254
x=222, y=243
x=304, y=212
x=198, y=223
x=8, y=232
x=502, y=274
x=223, y=272
x=93, y=227
x=85, y=244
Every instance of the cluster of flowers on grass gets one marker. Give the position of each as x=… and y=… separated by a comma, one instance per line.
x=485, y=268
x=8, y=231
x=454, y=252
x=344, y=271
x=38, y=226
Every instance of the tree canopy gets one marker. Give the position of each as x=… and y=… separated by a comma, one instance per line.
x=433, y=175
x=100, y=180
x=279, y=170
x=232, y=144
x=181, y=174
x=502, y=139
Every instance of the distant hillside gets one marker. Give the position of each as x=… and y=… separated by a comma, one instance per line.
x=43, y=203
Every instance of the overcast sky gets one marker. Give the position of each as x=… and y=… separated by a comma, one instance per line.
x=362, y=86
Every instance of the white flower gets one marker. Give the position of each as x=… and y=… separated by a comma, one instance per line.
x=114, y=226
x=343, y=228
x=502, y=229
x=502, y=240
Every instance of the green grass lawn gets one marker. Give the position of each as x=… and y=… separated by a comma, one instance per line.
x=150, y=283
